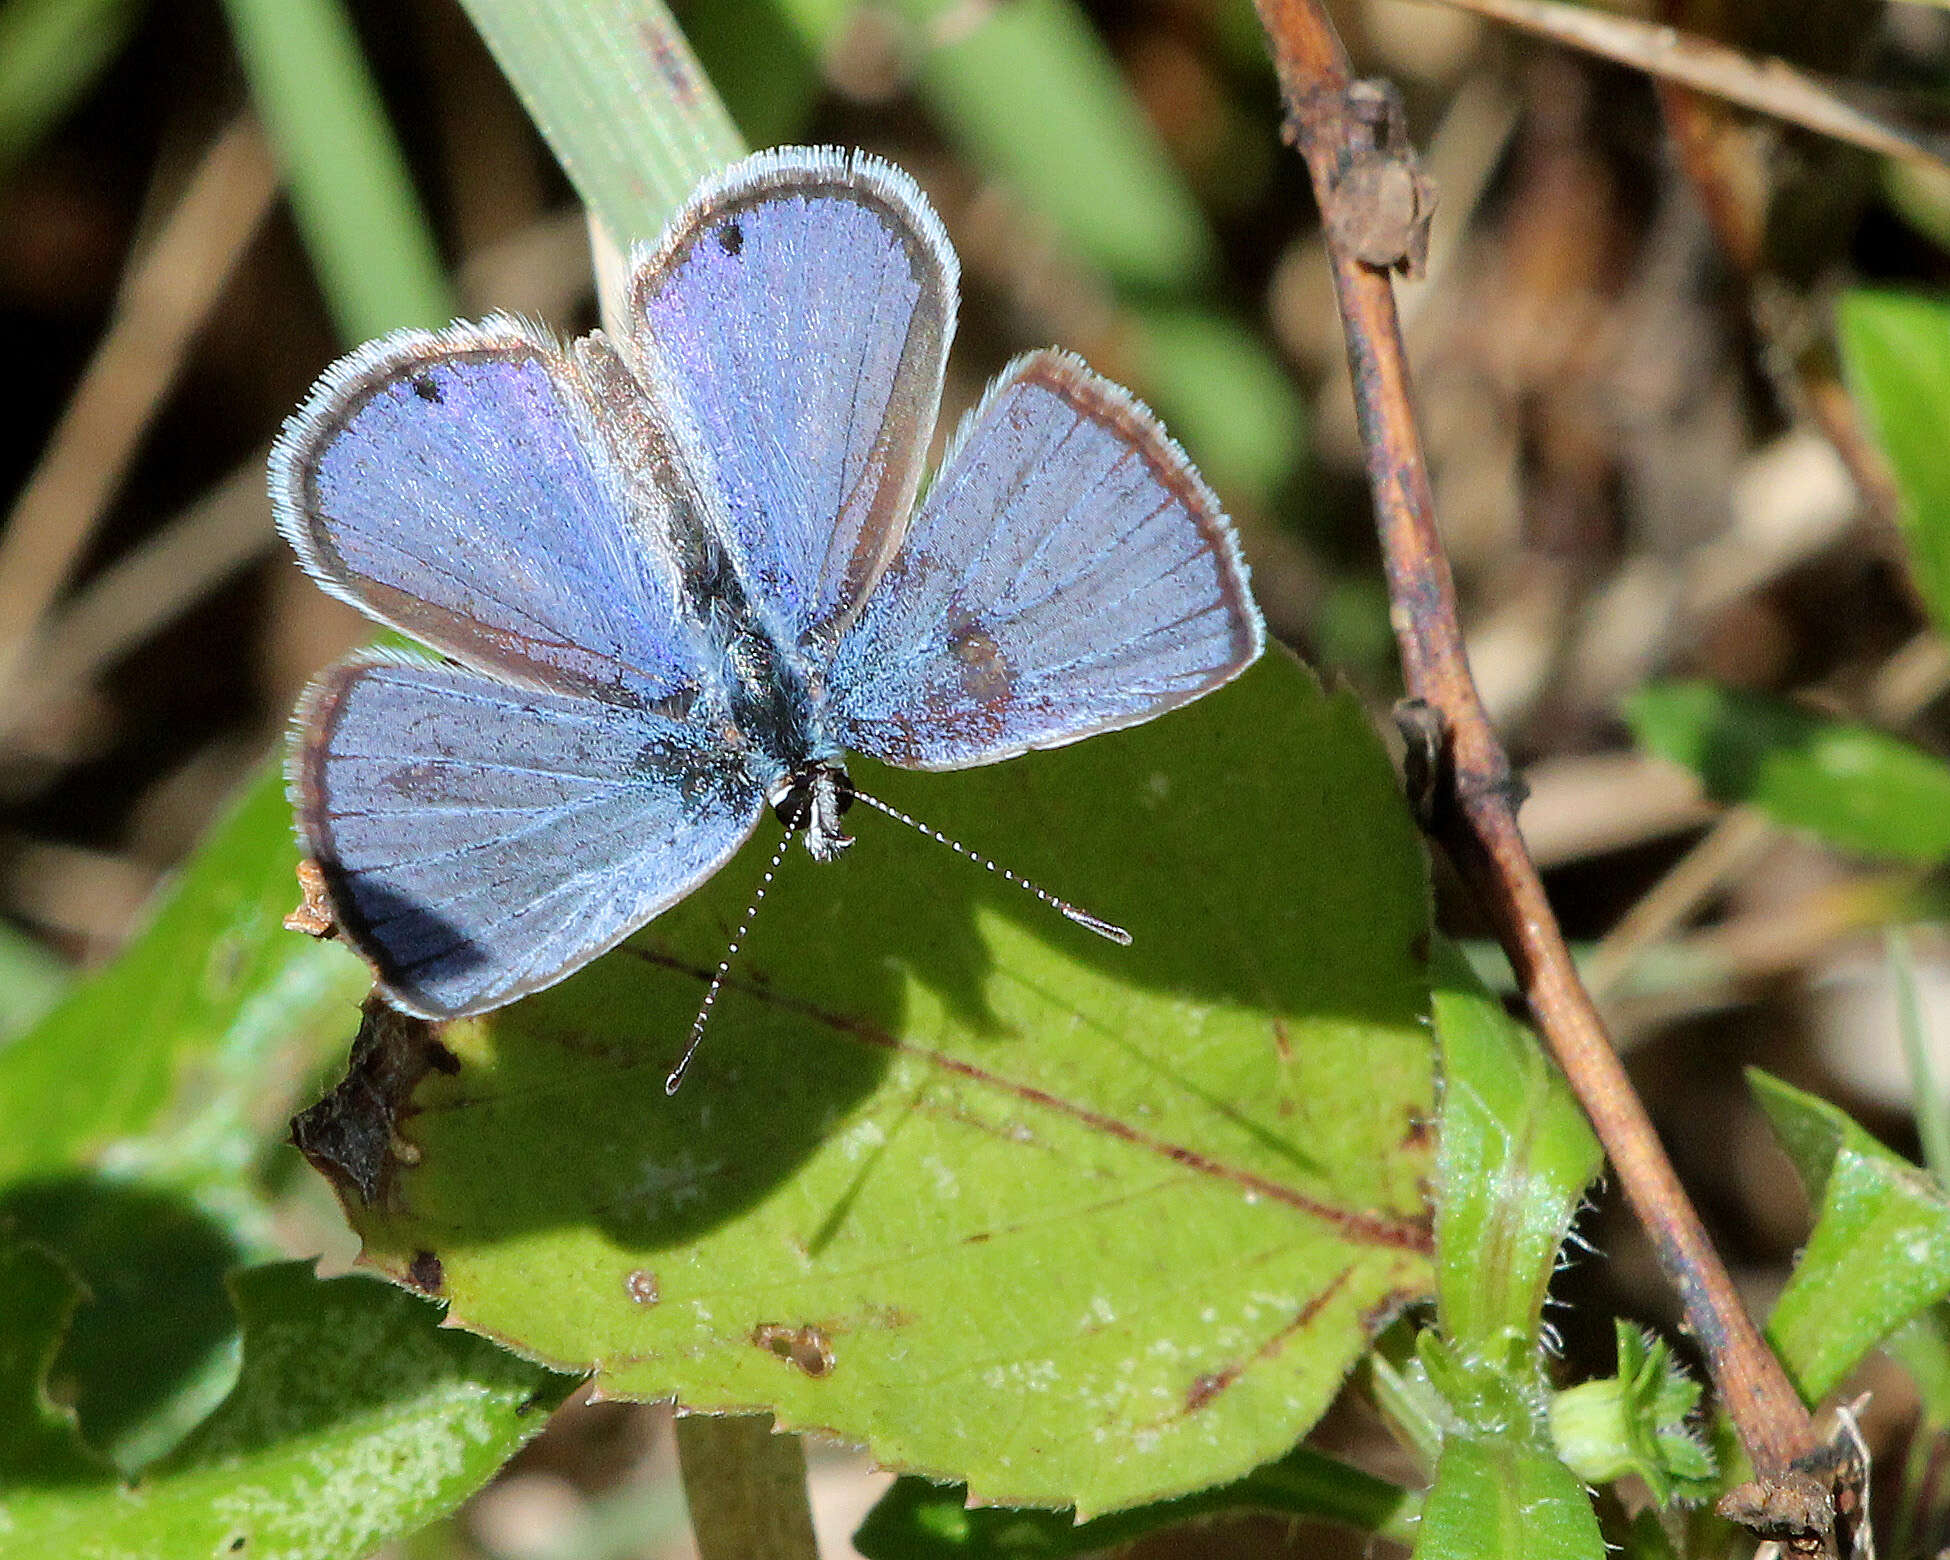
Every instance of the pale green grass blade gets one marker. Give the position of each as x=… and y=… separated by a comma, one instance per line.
x=1926, y=1087
x=356, y=207
x=620, y=98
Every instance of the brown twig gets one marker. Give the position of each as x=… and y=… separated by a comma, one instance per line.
x=1473, y=803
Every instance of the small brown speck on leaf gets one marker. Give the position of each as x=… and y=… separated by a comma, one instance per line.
x=806, y=1347
x=641, y=1285
x=1205, y=1388
x=425, y=1273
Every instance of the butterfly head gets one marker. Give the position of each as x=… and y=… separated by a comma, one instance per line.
x=812, y=799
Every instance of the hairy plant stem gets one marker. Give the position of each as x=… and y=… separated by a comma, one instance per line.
x=1473, y=807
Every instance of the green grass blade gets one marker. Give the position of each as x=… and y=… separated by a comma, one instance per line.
x=362, y=223
x=1032, y=95
x=51, y=52
x=619, y=96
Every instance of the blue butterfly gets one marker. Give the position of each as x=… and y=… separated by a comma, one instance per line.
x=675, y=577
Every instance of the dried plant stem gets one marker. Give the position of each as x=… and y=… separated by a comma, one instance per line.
x=167, y=296
x=1729, y=848
x=746, y=1487
x=1727, y=169
x=1759, y=82
x=1474, y=810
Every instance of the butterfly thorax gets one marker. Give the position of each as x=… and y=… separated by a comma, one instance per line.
x=777, y=717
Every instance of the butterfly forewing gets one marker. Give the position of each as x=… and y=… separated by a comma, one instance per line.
x=797, y=318
x=463, y=487
x=1069, y=574
x=480, y=841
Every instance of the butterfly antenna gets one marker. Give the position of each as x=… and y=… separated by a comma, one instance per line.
x=1083, y=918
x=724, y=967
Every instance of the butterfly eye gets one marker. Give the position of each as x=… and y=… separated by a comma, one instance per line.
x=792, y=804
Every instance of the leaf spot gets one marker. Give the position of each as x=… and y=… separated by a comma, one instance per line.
x=808, y=1348
x=425, y=1273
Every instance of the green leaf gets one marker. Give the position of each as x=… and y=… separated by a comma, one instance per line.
x=952, y=1178
x=39, y=1444
x=1923, y=1346
x=1515, y=1159
x=356, y=1418
x=1505, y=1500
x=150, y=1350
x=350, y=189
x=31, y=981
x=1860, y=789
x=1896, y=351
x=1880, y=1251
x=920, y=1520
x=176, y=1058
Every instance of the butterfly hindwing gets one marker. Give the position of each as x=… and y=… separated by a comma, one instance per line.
x=1070, y=573
x=479, y=841
x=796, y=318
x=466, y=487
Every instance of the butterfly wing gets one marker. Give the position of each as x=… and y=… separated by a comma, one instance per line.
x=480, y=842
x=796, y=320
x=468, y=488
x=1070, y=573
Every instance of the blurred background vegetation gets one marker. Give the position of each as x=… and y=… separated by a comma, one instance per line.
x=1632, y=414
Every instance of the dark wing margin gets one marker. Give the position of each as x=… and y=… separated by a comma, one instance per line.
x=1070, y=573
